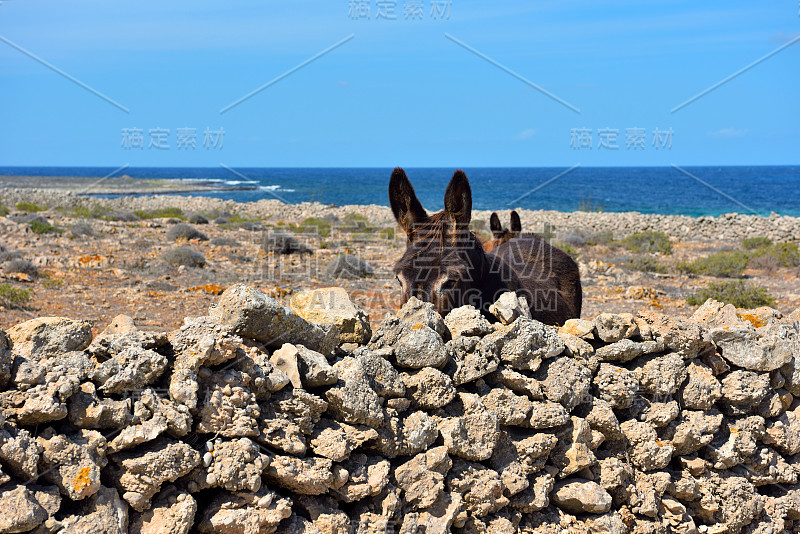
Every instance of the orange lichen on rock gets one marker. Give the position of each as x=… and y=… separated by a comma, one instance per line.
x=752, y=319
x=211, y=289
x=82, y=480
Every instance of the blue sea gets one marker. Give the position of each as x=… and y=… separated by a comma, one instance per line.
x=691, y=191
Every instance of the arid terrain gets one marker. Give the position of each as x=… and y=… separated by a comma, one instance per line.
x=94, y=258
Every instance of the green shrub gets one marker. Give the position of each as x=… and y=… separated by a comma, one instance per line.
x=781, y=254
x=40, y=228
x=587, y=205
x=321, y=227
x=600, y=238
x=727, y=264
x=648, y=242
x=355, y=222
x=737, y=293
x=3, y=211
x=569, y=250
x=388, y=233
x=161, y=213
x=29, y=207
x=13, y=297
x=184, y=256
x=648, y=264
x=756, y=242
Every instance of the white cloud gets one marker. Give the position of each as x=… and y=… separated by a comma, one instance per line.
x=524, y=135
x=727, y=133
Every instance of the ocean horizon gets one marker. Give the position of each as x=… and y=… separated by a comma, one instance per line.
x=691, y=190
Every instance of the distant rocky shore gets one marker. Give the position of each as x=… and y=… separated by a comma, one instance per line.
x=725, y=228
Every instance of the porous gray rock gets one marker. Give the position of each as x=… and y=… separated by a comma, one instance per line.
x=702, y=390
x=335, y=440
x=746, y=388
x=289, y=418
x=48, y=337
x=429, y=388
x=369, y=475
x=332, y=307
x=20, y=451
x=693, y=430
x=611, y=327
x=413, y=345
x=20, y=511
x=139, y=473
x=510, y=306
x=422, y=477
x=648, y=452
x=517, y=456
x=616, y=385
x=244, y=513
x=416, y=311
x=660, y=376
x=471, y=431
x=131, y=369
x=234, y=465
x=73, y=462
x=254, y=315
x=310, y=476
x=481, y=488
x=581, y=496
x=87, y=410
x=566, y=381
x=763, y=349
x=510, y=409
x=349, y=267
x=471, y=358
x=525, y=343
x=467, y=321
x=102, y=513
x=405, y=434
x=173, y=512
x=547, y=414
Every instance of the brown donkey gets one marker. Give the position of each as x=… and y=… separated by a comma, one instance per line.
x=502, y=235
x=445, y=264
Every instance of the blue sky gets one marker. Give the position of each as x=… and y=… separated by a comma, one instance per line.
x=400, y=92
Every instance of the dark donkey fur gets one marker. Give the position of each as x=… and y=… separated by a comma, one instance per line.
x=445, y=264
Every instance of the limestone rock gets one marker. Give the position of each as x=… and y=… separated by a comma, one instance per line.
x=289, y=418
x=566, y=381
x=422, y=477
x=413, y=345
x=48, y=337
x=481, y=488
x=702, y=390
x=139, y=473
x=416, y=311
x=509, y=307
x=472, y=431
x=525, y=343
x=335, y=440
x=467, y=321
x=612, y=327
x=253, y=314
x=333, y=307
x=648, y=451
x=19, y=509
x=173, y=512
x=310, y=476
x=244, y=513
x=429, y=388
x=471, y=358
x=234, y=465
x=73, y=462
x=581, y=496
x=406, y=435
x=616, y=385
x=369, y=475
x=763, y=349
x=102, y=513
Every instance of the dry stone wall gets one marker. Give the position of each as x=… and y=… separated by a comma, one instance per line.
x=254, y=420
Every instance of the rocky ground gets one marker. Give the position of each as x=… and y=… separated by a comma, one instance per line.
x=102, y=259
x=259, y=418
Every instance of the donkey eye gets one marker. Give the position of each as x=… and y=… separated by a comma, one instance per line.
x=448, y=284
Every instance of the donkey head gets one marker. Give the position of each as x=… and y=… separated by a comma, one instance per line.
x=443, y=259
x=502, y=235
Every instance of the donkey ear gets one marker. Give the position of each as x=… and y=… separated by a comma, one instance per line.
x=458, y=199
x=516, y=224
x=404, y=202
x=494, y=225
